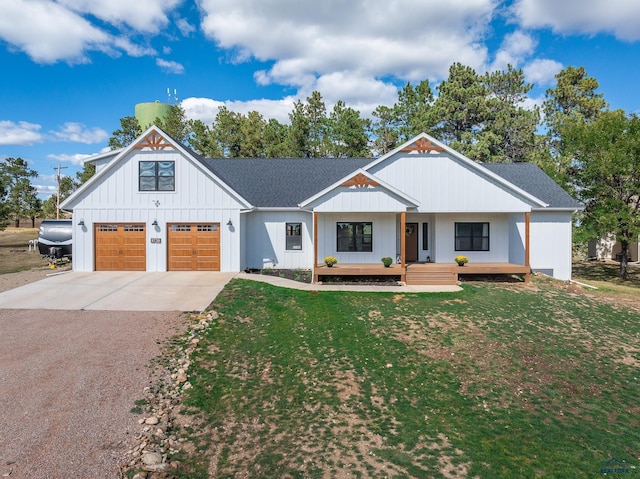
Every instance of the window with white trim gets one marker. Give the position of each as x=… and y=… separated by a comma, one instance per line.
x=294, y=236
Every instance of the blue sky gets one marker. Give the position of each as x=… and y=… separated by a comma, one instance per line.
x=72, y=68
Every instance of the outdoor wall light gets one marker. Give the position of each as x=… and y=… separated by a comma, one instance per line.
x=155, y=223
x=229, y=223
x=81, y=223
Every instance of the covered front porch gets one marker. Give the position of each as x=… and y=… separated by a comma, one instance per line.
x=423, y=269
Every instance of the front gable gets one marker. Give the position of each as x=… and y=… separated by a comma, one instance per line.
x=360, y=192
x=443, y=180
x=118, y=184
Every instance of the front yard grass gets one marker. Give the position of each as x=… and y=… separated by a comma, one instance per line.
x=497, y=381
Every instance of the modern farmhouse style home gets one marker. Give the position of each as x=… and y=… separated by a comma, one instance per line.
x=157, y=206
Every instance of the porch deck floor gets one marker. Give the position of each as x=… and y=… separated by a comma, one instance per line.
x=422, y=273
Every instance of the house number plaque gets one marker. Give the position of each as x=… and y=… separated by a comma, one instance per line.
x=156, y=240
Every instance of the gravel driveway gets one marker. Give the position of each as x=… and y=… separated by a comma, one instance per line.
x=68, y=380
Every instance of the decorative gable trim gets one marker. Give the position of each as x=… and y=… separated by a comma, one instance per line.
x=153, y=140
x=422, y=145
x=360, y=181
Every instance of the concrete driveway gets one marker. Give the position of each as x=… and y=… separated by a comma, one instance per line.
x=119, y=291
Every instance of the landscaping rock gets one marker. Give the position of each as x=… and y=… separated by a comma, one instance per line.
x=151, y=458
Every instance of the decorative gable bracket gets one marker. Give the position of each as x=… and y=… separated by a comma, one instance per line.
x=360, y=181
x=422, y=146
x=155, y=141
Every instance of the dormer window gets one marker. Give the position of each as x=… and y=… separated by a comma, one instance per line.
x=157, y=176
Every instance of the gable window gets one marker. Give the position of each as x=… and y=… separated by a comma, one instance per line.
x=472, y=236
x=294, y=236
x=157, y=176
x=425, y=236
x=355, y=236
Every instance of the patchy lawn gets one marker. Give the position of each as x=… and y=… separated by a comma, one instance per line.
x=14, y=250
x=500, y=381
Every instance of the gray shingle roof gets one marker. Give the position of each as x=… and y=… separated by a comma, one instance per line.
x=281, y=182
x=534, y=181
x=286, y=182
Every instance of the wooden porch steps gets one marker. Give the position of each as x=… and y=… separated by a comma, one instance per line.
x=430, y=277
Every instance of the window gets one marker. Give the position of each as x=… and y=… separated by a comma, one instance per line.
x=157, y=176
x=472, y=236
x=355, y=237
x=425, y=236
x=294, y=236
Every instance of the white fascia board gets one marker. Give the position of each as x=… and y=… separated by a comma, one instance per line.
x=467, y=161
x=569, y=210
x=102, y=156
x=411, y=201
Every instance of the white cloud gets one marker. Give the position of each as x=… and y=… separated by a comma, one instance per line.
x=77, y=132
x=77, y=159
x=617, y=17
x=48, y=32
x=46, y=190
x=21, y=133
x=51, y=31
x=185, y=27
x=410, y=39
x=542, y=71
x=206, y=109
x=170, y=66
x=147, y=16
x=515, y=48
x=203, y=109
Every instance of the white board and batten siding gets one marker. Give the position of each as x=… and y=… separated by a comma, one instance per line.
x=197, y=199
x=442, y=184
x=444, y=232
x=265, y=236
x=360, y=200
x=384, y=237
x=550, y=237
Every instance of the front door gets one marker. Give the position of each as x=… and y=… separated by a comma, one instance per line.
x=411, y=242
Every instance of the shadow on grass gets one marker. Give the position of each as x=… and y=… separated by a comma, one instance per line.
x=607, y=272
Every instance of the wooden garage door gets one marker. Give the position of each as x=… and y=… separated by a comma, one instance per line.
x=120, y=247
x=194, y=247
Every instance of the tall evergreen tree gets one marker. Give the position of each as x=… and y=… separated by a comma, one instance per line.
x=275, y=139
x=316, y=113
x=227, y=131
x=574, y=99
x=512, y=126
x=461, y=110
x=21, y=197
x=414, y=110
x=347, y=133
x=384, y=129
x=252, y=134
x=129, y=130
x=298, y=143
x=175, y=124
x=202, y=140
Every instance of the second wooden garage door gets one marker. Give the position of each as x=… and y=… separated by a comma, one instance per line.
x=194, y=247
